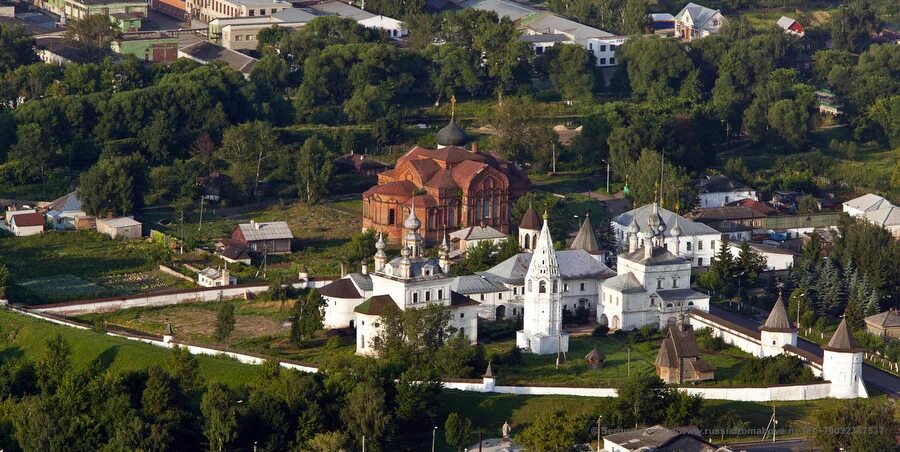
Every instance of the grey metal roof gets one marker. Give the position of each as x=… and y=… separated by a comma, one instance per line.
x=688, y=227
x=295, y=15
x=659, y=256
x=362, y=282
x=538, y=38
x=649, y=437
x=718, y=183
x=503, y=8
x=842, y=340
x=120, y=222
x=699, y=14
x=416, y=266
x=206, y=52
x=274, y=230
x=341, y=9
x=681, y=295
x=885, y=216
x=661, y=16
x=573, y=264
x=211, y=273
x=477, y=233
x=553, y=24
x=626, y=283
x=887, y=319
x=67, y=203
x=470, y=284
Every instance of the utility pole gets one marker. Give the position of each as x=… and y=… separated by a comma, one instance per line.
x=599, y=419
x=433, y=436
x=364, y=443
x=629, y=361
x=200, y=226
x=607, y=177
x=553, y=147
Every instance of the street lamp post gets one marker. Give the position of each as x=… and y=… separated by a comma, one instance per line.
x=599, y=419
x=433, y=436
x=607, y=174
x=774, y=429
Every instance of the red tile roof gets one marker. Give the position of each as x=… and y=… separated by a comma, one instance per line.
x=402, y=188
x=28, y=219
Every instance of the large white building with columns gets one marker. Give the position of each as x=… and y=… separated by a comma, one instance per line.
x=653, y=285
x=697, y=243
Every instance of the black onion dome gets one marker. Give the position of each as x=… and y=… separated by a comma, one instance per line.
x=452, y=135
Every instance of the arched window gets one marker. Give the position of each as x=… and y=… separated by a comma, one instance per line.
x=392, y=216
x=542, y=287
x=527, y=243
x=534, y=241
x=670, y=305
x=555, y=288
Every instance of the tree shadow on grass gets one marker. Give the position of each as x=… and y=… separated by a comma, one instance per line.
x=106, y=357
x=11, y=353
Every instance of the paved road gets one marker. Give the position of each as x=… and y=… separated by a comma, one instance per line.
x=873, y=376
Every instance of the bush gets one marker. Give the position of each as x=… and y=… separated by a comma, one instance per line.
x=774, y=370
x=708, y=342
x=600, y=331
x=334, y=342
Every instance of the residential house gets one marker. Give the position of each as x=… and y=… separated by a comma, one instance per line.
x=791, y=26
x=235, y=254
x=827, y=102
x=25, y=224
x=13, y=210
x=777, y=258
x=884, y=324
x=540, y=43
x=696, y=22
x=886, y=217
x=717, y=190
x=120, y=228
x=735, y=221
x=678, y=360
x=473, y=236
x=215, y=277
x=64, y=212
x=208, y=10
x=267, y=238
x=697, y=242
x=659, y=439
x=393, y=27
x=361, y=164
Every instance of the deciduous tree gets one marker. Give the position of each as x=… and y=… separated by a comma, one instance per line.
x=457, y=431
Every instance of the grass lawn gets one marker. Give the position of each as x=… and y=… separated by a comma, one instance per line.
x=27, y=337
x=60, y=266
x=320, y=231
x=260, y=327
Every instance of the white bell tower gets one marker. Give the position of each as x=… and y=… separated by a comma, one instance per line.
x=542, y=327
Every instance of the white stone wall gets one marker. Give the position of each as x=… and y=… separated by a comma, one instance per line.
x=720, y=199
x=163, y=299
x=736, y=338
x=339, y=311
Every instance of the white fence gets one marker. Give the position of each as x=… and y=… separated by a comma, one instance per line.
x=153, y=299
x=746, y=394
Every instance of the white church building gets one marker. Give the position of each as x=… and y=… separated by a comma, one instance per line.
x=653, y=285
x=410, y=281
x=697, y=243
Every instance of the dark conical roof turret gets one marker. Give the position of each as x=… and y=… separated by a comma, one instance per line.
x=452, y=135
x=778, y=320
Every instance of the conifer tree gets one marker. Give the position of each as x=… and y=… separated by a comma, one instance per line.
x=831, y=288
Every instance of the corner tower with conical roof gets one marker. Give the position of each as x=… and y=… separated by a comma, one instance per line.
x=542, y=327
x=777, y=331
x=842, y=365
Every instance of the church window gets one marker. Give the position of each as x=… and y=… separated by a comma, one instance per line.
x=555, y=288
x=688, y=246
x=427, y=295
x=529, y=285
x=415, y=297
x=515, y=290
x=440, y=294
x=565, y=287
x=391, y=216
x=499, y=295
x=542, y=287
x=690, y=303
x=712, y=244
x=482, y=297
x=659, y=283
x=670, y=305
x=699, y=244
x=362, y=341
x=582, y=287
x=462, y=314
x=652, y=301
x=462, y=332
x=699, y=261
x=674, y=282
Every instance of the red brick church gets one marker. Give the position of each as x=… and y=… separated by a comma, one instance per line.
x=451, y=188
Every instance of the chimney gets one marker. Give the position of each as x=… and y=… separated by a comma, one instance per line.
x=474, y=147
x=365, y=269
x=343, y=270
